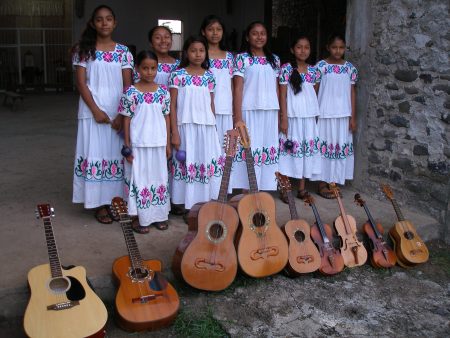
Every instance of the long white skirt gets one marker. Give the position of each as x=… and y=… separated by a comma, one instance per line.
x=336, y=150
x=98, y=169
x=303, y=160
x=262, y=126
x=146, y=187
x=223, y=123
x=198, y=178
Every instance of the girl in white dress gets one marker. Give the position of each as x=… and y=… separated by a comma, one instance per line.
x=255, y=102
x=146, y=130
x=299, y=135
x=337, y=120
x=103, y=69
x=193, y=125
x=221, y=65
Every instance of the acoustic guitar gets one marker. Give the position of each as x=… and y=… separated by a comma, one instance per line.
x=145, y=300
x=262, y=248
x=61, y=304
x=381, y=255
x=303, y=254
x=409, y=247
x=209, y=261
x=352, y=249
x=322, y=235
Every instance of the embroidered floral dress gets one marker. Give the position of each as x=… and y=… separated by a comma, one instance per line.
x=260, y=113
x=303, y=159
x=146, y=178
x=336, y=139
x=197, y=179
x=98, y=169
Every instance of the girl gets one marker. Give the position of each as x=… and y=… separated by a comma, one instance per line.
x=103, y=69
x=146, y=130
x=336, y=87
x=299, y=108
x=255, y=102
x=197, y=178
x=221, y=65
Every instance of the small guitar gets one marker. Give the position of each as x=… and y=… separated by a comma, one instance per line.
x=61, y=304
x=321, y=233
x=352, y=249
x=262, y=248
x=303, y=254
x=409, y=247
x=382, y=256
x=209, y=261
x=145, y=300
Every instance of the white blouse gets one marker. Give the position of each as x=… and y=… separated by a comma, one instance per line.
x=222, y=70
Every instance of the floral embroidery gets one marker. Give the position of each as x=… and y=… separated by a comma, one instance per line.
x=196, y=172
x=147, y=196
x=244, y=60
x=181, y=78
x=264, y=156
x=286, y=71
x=336, y=151
x=300, y=149
x=133, y=97
x=99, y=171
x=121, y=54
x=324, y=68
x=226, y=63
x=168, y=67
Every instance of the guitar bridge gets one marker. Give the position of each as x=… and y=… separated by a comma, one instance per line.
x=63, y=305
x=145, y=299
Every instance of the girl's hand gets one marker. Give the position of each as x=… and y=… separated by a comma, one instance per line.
x=168, y=151
x=101, y=117
x=130, y=159
x=352, y=125
x=284, y=125
x=117, y=123
x=175, y=140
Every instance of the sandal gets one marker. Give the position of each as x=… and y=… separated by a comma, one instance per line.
x=138, y=228
x=102, y=216
x=112, y=213
x=325, y=191
x=161, y=225
x=302, y=194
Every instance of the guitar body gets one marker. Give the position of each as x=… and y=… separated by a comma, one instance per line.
x=262, y=248
x=381, y=255
x=87, y=319
x=133, y=315
x=352, y=250
x=331, y=259
x=303, y=254
x=409, y=247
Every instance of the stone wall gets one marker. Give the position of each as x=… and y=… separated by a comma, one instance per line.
x=401, y=50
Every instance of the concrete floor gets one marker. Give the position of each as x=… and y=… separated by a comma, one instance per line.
x=37, y=148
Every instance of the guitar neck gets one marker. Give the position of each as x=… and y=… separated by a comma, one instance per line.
x=397, y=210
x=292, y=207
x=130, y=240
x=320, y=224
x=371, y=221
x=343, y=215
x=223, y=193
x=251, y=170
x=55, y=264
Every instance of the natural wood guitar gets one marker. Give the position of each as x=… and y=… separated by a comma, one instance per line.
x=352, y=249
x=262, y=248
x=381, y=254
x=209, y=261
x=62, y=304
x=145, y=300
x=409, y=247
x=303, y=254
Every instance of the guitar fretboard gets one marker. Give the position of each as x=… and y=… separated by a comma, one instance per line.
x=223, y=193
x=251, y=170
x=397, y=210
x=130, y=240
x=55, y=265
x=292, y=207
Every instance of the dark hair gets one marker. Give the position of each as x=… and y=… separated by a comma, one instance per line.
x=85, y=48
x=189, y=41
x=246, y=46
x=334, y=37
x=154, y=29
x=210, y=19
x=145, y=54
x=295, y=79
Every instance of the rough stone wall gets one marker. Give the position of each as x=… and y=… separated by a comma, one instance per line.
x=401, y=48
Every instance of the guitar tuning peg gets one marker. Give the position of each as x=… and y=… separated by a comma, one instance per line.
x=52, y=212
x=36, y=213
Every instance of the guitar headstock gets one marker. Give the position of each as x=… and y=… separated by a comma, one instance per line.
x=283, y=182
x=358, y=200
x=309, y=199
x=387, y=191
x=119, y=206
x=230, y=143
x=44, y=210
x=243, y=133
x=334, y=188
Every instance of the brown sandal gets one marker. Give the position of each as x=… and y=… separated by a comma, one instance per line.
x=164, y=225
x=138, y=228
x=325, y=191
x=302, y=193
x=101, y=217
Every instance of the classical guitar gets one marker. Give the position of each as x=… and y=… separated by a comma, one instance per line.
x=61, y=304
x=409, y=247
x=322, y=235
x=352, y=249
x=262, y=248
x=303, y=254
x=381, y=255
x=209, y=261
x=145, y=300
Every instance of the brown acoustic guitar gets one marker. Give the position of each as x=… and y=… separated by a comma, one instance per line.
x=321, y=233
x=303, y=254
x=145, y=300
x=352, y=249
x=62, y=304
x=381, y=254
x=409, y=247
x=262, y=248
x=209, y=261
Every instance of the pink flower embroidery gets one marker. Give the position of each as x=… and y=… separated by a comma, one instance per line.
x=202, y=170
x=172, y=169
x=217, y=64
x=295, y=147
x=210, y=85
x=211, y=170
x=244, y=155
x=256, y=159
x=176, y=81
x=196, y=80
x=183, y=168
x=308, y=78
x=165, y=67
x=148, y=97
x=331, y=148
x=221, y=161
x=239, y=65
x=113, y=169
x=93, y=170
x=126, y=190
x=336, y=69
x=192, y=171
x=104, y=164
x=311, y=143
x=346, y=151
x=146, y=195
x=263, y=158
x=337, y=148
x=272, y=153
x=161, y=191
x=324, y=149
x=84, y=166
x=107, y=56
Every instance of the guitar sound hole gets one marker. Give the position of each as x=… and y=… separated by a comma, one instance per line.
x=216, y=231
x=299, y=236
x=139, y=273
x=259, y=219
x=59, y=285
x=408, y=235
